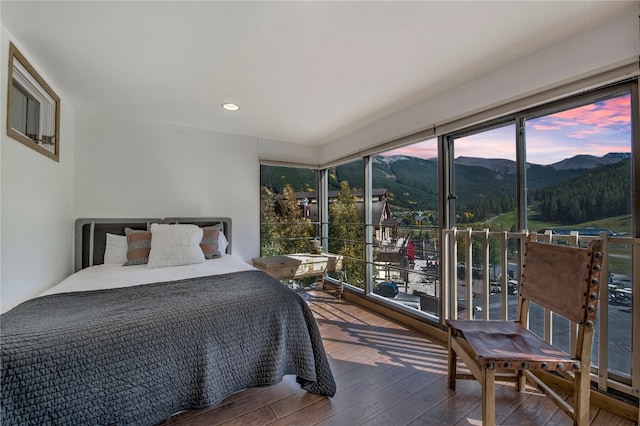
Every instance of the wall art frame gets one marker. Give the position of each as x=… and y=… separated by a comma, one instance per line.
x=33, y=107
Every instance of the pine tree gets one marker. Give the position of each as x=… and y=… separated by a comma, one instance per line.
x=295, y=231
x=346, y=234
x=283, y=229
x=269, y=237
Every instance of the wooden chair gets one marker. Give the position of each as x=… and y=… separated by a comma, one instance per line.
x=564, y=280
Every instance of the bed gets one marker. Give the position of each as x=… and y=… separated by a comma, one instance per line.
x=119, y=344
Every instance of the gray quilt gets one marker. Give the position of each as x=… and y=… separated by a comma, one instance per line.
x=136, y=355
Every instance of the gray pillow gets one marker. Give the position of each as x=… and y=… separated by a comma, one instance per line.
x=209, y=242
x=138, y=246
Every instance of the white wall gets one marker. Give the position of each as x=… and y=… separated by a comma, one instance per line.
x=133, y=168
x=586, y=54
x=280, y=151
x=36, y=243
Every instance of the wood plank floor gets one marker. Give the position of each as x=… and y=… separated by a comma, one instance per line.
x=386, y=374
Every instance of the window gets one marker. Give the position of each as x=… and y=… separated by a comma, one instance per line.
x=579, y=179
x=405, y=226
x=484, y=181
x=483, y=197
x=289, y=210
x=25, y=117
x=346, y=220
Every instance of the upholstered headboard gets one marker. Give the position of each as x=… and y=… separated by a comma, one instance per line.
x=91, y=234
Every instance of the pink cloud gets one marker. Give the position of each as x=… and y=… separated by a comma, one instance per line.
x=612, y=112
x=426, y=149
x=585, y=133
x=595, y=129
x=542, y=127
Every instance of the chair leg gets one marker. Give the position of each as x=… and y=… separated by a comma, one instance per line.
x=521, y=381
x=581, y=399
x=453, y=359
x=488, y=397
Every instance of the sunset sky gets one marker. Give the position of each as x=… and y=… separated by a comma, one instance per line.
x=594, y=129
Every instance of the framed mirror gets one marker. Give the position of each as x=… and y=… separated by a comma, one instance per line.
x=33, y=108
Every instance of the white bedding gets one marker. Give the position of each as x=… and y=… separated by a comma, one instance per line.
x=114, y=276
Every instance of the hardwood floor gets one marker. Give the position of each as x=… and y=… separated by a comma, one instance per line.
x=386, y=374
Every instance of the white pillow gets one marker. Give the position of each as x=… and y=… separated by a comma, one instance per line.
x=174, y=245
x=115, y=251
x=222, y=243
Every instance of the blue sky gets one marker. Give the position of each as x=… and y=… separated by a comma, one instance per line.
x=594, y=129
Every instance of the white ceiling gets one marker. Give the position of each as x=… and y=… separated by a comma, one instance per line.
x=304, y=72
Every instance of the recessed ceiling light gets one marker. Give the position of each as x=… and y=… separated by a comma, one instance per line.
x=230, y=107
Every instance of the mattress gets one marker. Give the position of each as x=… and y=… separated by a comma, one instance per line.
x=102, y=277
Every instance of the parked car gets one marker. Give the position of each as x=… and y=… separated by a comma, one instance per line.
x=620, y=296
x=386, y=289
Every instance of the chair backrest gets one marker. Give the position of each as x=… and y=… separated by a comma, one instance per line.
x=563, y=279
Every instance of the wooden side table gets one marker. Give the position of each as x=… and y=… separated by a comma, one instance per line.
x=299, y=265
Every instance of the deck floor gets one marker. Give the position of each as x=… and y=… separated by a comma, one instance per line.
x=386, y=374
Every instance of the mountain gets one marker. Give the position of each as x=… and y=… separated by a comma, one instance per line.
x=391, y=159
x=412, y=183
x=590, y=161
x=275, y=178
x=577, y=162
x=601, y=192
x=494, y=164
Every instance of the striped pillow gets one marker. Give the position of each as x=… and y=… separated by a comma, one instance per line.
x=209, y=242
x=138, y=246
